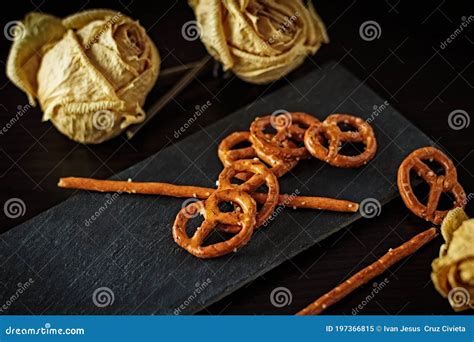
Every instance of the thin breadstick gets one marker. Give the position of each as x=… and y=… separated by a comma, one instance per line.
x=186, y=191
x=360, y=278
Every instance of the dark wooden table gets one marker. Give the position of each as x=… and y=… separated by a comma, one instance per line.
x=409, y=65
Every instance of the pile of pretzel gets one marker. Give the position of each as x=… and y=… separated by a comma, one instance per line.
x=267, y=157
x=280, y=151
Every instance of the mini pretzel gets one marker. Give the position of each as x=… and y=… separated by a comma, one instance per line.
x=261, y=175
x=335, y=136
x=289, y=126
x=447, y=182
x=213, y=216
x=227, y=155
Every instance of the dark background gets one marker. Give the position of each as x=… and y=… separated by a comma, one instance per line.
x=405, y=65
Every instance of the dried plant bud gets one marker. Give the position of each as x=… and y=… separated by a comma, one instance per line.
x=453, y=271
x=90, y=72
x=259, y=40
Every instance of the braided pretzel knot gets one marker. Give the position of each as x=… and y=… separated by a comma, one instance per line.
x=244, y=218
x=260, y=175
x=438, y=183
x=291, y=128
x=228, y=154
x=330, y=129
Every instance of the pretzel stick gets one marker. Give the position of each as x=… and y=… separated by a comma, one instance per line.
x=166, y=189
x=360, y=278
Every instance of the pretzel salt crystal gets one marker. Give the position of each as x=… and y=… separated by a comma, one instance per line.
x=447, y=182
x=365, y=275
x=187, y=191
x=213, y=216
x=329, y=129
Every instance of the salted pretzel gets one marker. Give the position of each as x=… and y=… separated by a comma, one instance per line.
x=330, y=129
x=243, y=216
x=448, y=182
x=260, y=175
x=228, y=154
x=288, y=126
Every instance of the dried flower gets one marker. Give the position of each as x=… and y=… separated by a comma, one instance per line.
x=259, y=40
x=90, y=72
x=453, y=271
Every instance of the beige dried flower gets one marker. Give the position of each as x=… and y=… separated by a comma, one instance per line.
x=453, y=271
x=90, y=72
x=259, y=40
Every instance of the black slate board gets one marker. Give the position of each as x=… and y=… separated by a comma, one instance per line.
x=129, y=247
